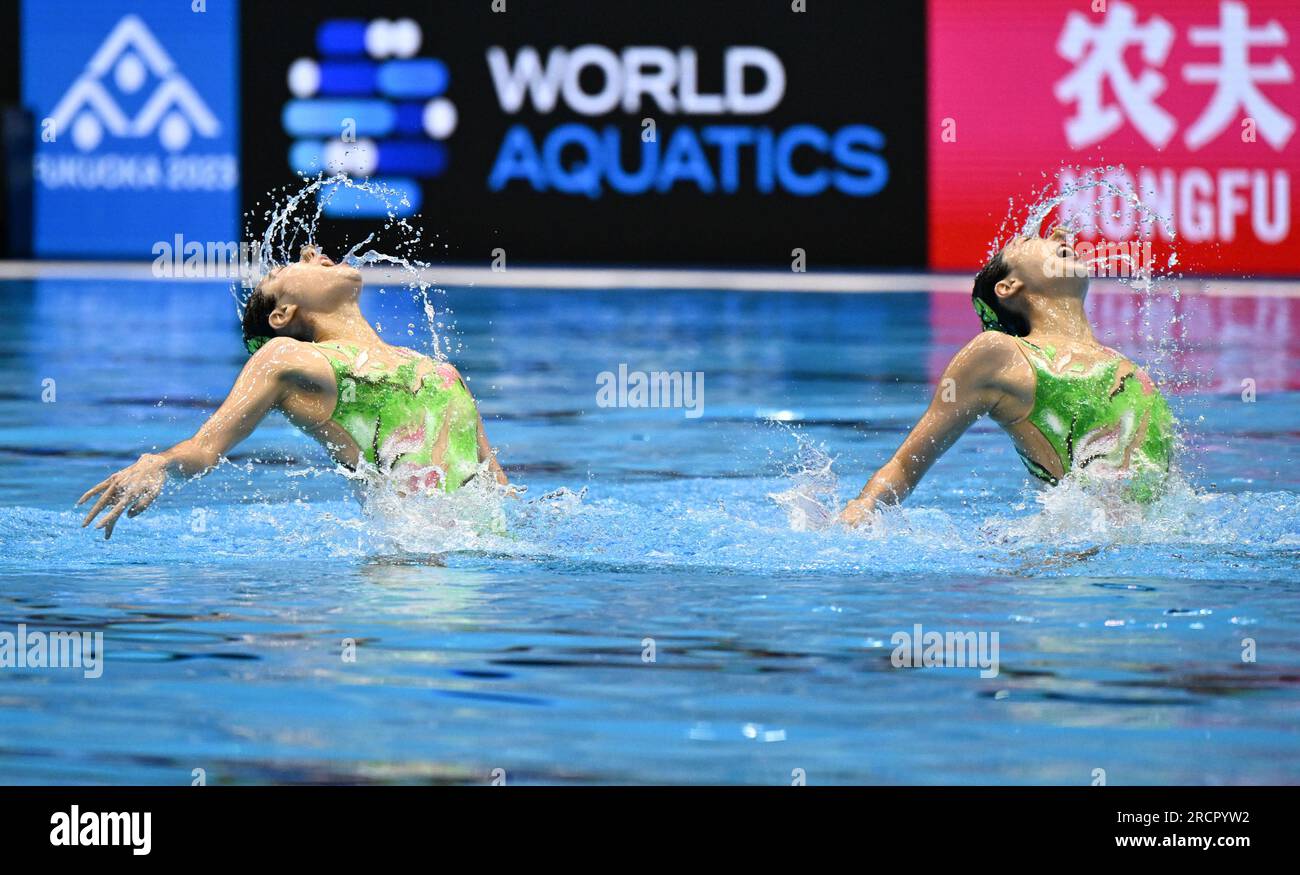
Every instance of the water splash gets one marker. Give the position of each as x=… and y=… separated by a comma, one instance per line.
x=1108, y=205
x=1083, y=511
x=415, y=271
x=1111, y=181
x=397, y=523
x=811, y=501
x=293, y=221
x=1084, y=525
x=1088, y=200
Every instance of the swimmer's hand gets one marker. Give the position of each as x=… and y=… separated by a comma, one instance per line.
x=130, y=490
x=856, y=511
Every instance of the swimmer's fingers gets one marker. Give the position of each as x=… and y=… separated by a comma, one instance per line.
x=145, y=499
x=110, y=518
x=92, y=490
x=855, y=512
x=133, y=488
x=105, y=499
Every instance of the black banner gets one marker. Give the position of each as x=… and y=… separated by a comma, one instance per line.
x=720, y=133
x=334, y=824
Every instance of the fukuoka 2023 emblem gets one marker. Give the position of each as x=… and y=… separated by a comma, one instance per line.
x=132, y=69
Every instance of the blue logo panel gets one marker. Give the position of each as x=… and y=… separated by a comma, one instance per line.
x=368, y=106
x=137, y=124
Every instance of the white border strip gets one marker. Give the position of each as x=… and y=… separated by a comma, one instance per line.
x=649, y=278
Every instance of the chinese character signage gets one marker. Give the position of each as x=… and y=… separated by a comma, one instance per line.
x=1193, y=103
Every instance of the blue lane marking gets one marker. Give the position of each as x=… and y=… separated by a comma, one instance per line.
x=412, y=157
x=324, y=118
x=341, y=37
x=305, y=156
x=419, y=77
x=349, y=203
x=347, y=78
x=410, y=119
x=401, y=157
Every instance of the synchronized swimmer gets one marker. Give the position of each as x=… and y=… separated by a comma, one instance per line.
x=1068, y=402
x=383, y=409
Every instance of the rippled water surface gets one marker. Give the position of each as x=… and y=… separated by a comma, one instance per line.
x=647, y=613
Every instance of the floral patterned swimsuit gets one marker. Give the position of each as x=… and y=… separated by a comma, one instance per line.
x=422, y=432
x=1106, y=417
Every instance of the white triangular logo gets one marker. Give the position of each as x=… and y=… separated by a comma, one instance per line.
x=87, y=109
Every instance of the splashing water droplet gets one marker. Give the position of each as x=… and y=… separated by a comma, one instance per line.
x=294, y=218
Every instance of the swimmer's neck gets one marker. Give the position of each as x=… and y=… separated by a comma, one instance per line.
x=1060, y=318
x=345, y=325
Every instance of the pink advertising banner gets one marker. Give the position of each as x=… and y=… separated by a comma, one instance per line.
x=1192, y=104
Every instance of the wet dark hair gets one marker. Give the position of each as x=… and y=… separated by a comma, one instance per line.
x=258, y=307
x=993, y=313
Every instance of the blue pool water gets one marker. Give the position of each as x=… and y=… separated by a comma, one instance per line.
x=224, y=608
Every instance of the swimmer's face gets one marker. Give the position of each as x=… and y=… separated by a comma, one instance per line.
x=1047, y=265
x=313, y=283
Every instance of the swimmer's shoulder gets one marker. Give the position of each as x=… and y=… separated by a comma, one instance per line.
x=991, y=355
x=994, y=365
x=287, y=359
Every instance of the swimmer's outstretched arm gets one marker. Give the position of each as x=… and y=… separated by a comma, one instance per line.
x=280, y=367
x=973, y=384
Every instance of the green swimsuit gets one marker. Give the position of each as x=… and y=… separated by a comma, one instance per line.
x=403, y=423
x=1108, y=417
